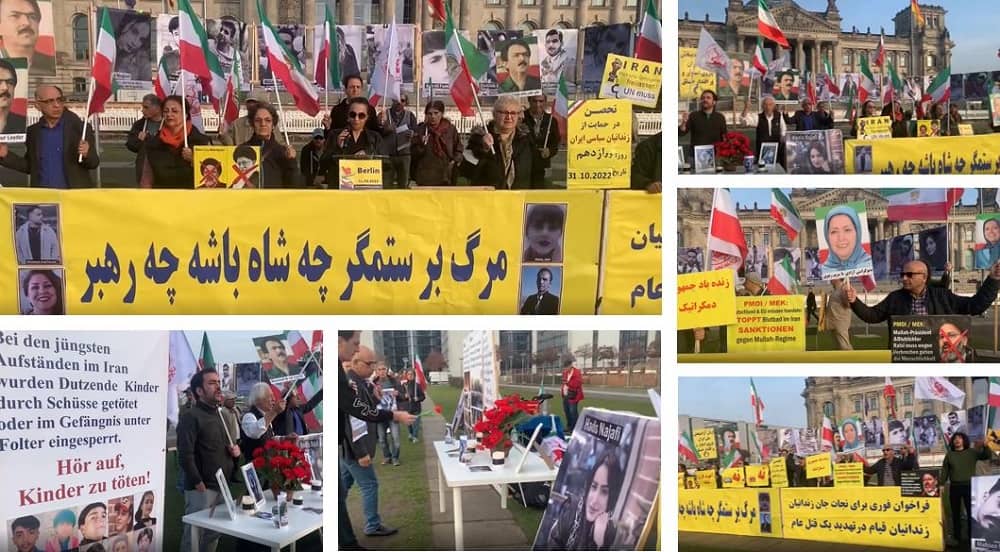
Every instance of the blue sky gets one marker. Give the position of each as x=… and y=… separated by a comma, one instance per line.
x=729, y=399
x=746, y=196
x=972, y=25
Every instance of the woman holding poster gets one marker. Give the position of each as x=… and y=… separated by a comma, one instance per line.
x=844, y=242
x=277, y=162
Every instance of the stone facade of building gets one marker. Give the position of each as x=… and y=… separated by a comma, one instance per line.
x=815, y=36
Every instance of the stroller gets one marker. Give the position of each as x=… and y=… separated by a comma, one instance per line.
x=536, y=495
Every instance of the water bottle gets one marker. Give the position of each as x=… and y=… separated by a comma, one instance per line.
x=448, y=439
x=276, y=515
x=283, y=511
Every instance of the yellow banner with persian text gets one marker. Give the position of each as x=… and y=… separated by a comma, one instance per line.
x=745, y=512
x=692, y=80
x=863, y=516
x=704, y=443
x=305, y=252
x=706, y=299
x=706, y=479
x=599, y=147
x=944, y=155
x=633, y=283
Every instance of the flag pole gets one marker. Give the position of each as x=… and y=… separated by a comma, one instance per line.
x=184, y=106
x=329, y=75
x=548, y=129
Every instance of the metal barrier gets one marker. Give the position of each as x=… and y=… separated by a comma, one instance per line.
x=883, y=356
x=119, y=118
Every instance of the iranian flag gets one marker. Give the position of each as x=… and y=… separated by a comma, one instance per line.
x=731, y=459
x=867, y=87
x=931, y=204
x=312, y=384
x=762, y=451
x=231, y=107
x=161, y=83
x=727, y=245
x=768, y=27
x=299, y=346
x=880, y=53
x=317, y=341
x=206, y=360
x=759, y=61
x=285, y=68
x=993, y=399
x=685, y=447
x=560, y=107
x=418, y=369
x=197, y=59
x=101, y=72
x=327, y=70
x=940, y=88
x=438, y=10
x=785, y=214
x=832, y=89
x=811, y=88
x=757, y=404
x=649, y=46
x=897, y=83
x=826, y=436
x=785, y=280
x=472, y=65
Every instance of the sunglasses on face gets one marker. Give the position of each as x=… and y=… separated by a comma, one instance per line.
x=356, y=115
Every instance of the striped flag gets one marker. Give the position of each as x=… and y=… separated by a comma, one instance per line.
x=867, y=86
x=826, y=436
x=285, y=67
x=993, y=398
x=161, y=83
x=686, y=448
x=731, y=459
x=298, y=345
x=759, y=61
x=880, y=53
x=231, y=107
x=727, y=245
x=104, y=62
x=649, y=45
x=940, y=88
x=889, y=393
x=438, y=10
x=326, y=64
x=762, y=451
x=317, y=341
x=932, y=204
x=418, y=369
x=181, y=366
x=197, y=59
x=560, y=107
x=472, y=65
x=785, y=214
x=918, y=16
x=832, y=90
x=206, y=360
x=388, y=74
x=757, y=404
x=785, y=280
x=312, y=384
x=767, y=25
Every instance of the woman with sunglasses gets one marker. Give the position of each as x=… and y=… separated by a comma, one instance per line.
x=354, y=140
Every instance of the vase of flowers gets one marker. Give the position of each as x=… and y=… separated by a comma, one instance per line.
x=731, y=150
x=283, y=465
x=497, y=423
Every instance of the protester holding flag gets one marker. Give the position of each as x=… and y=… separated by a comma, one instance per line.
x=142, y=129
x=957, y=469
x=771, y=127
x=706, y=126
x=400, y=124
x=504, y=150
x=277, y=162
x=437, y=148
x=900, y=119
x=825, y=116
x=60, y=149
x=647, y=164
x=545, y=134
x=242, y=130
x=415, y=393
x=168, y=154
x=292, y=421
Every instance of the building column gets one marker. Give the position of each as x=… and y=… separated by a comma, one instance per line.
x=511, y=15
x=272, y=11
x=581, y=13
x=838, y=61
x=422, y=16
x=346, y=15
x=545, y=19
x=800, y=55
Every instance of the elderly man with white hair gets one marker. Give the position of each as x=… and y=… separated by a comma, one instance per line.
x=503, y=153
x=255, y=428
x=771, y=127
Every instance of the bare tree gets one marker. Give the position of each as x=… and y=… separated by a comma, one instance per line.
x=607, y=353
x=582, y=352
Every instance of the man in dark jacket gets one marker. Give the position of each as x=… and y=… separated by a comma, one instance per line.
x=888, y=468
x=545, y=132
x=147, y=126
x=55, y=145
x=706, y=126
x=504, y=153
x=917, y=298
x=203, y=448
x=353, y=88
x=400, y=124
x=647, y=165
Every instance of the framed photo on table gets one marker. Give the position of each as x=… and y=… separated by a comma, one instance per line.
x=768, y=154
x=704, y=159
x=227, y=496
x=253, y=485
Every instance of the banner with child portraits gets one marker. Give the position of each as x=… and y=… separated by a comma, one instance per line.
x=81, y=438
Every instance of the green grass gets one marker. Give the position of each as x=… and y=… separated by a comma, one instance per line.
x=404, y=500
x=174, y=511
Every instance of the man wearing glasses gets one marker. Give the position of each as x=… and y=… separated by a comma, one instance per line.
x=57, y=155
x=918, y=298
x=503, y=153
x=19, y=32
x=887, y=469
x=10, y=122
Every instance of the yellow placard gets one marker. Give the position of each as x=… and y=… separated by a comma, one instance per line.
x=278, y=252
x=704, y=444
x=681, y=477
x=965, y=129
x=226, y=166
x=636, y=80
x=692, y=80
x=360, y=174
x=758, y=475
x=874, y=128
x=864, y=516
x=928, y=128
x=851, y=474
x=706, y=479
x=599, y=147
x=942, y=155
x=819, y=465
x=779, y=472
x=706, y=299
x=733, y=478
x=745, y=512
x=634, y=236
x=768, y=323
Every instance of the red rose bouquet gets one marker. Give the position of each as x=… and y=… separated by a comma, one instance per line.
x=733, y=147
x=282, y=464
x=498, y=421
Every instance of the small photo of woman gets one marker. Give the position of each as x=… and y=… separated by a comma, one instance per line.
x=544, y=224
x=144, y=511
x=41, y=291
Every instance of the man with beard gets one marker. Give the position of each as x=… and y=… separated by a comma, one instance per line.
x=953, y=343
x=10, y=123
x=707, y=126
x=517, y=57
x=556, y=58
x=19, y=25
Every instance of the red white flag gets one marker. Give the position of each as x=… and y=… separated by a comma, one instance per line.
x=827, y=436
x=768, y=27
x=880, y=53
x=727, y=245
x=890, y=396
x=418, y=369
x=103, y=66
x=285, y=67
x=648, y=46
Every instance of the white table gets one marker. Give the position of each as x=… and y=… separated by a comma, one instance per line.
x=255, y=529
x=457, y=475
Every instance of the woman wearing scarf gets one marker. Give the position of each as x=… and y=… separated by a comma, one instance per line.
x=843, y=238
x=900, y=119
x=436, y=148
x=990, y=253
x=355, y=140
x=277, y=162
x=168, y=162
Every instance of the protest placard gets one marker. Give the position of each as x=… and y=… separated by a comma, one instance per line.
x=844, y=241
x=920, y=483
x=226, y=166
x=599, y=147
x=931, y=339
x=768, y=323
x=635, y=80
x=733, y=478
x=941, y=155
x=874, y=128
x=758, y=475
x=819, y=465
x=360, y=174
x=850, y=474
x=692, y=80
x=704, y=443
x=706, y=299
x=778, y=469
x=706, y=479
x=755, y=512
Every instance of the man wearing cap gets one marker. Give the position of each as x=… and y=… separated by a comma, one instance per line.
x=309, y=159
x=752, y=285
x=572, y=390
x=242, y=129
